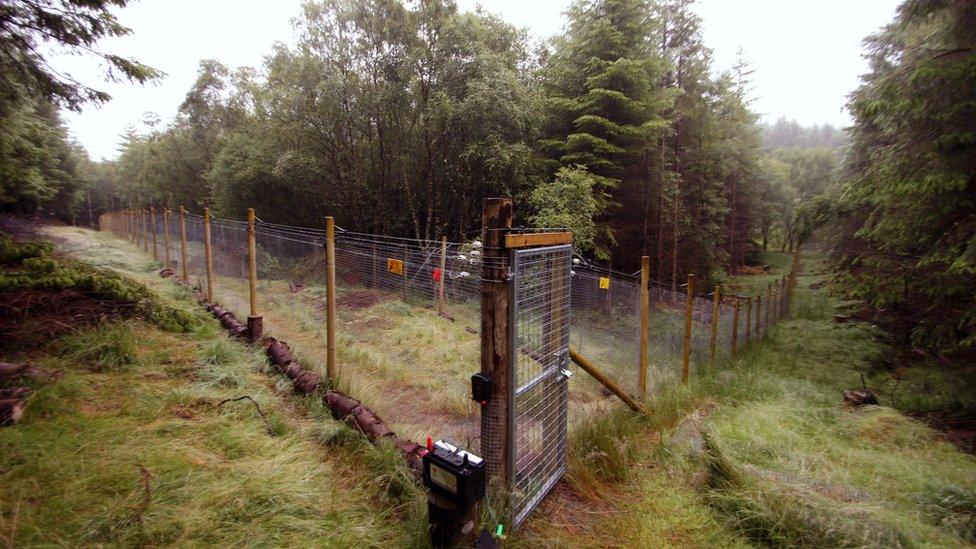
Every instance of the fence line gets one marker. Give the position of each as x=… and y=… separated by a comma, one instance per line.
x=606, y=322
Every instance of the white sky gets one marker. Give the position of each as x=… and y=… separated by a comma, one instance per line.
x=806, y=54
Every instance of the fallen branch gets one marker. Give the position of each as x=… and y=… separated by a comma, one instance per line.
x=267, y=424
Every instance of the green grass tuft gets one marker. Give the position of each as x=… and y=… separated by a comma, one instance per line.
x=109, y=347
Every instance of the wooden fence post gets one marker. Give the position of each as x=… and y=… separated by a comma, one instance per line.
x=758, y=316
x=166, y=256
x=689, y=304
x=145, y=229
x=769, y=307
x=735, y=325
x=185, y=269
x=152, y=214
x=496, y=220
x=748, y=332
x=441, y=304
x=330, y=301
x=406, y=277
x=374, y=266
x=716, y=312
x=782, y=297
x=645, y=312
x=255, y=323
x=791, y=285
x=208, y=253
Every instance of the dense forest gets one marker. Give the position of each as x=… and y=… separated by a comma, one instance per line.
x=397, y=118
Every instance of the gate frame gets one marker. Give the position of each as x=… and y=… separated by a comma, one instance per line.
x=537, y=243
x=497, y=240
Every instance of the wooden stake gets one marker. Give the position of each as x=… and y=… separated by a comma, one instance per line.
x=166, y=257
x=331, y=370
x=597, y=374
x=769, y=307
x=689, y=302
x=735, y=326
x=716, y=312
x=152, y=214
x=441, y=303
x=645, y=329
x=496, y=221
x=208, y=253
x=184, y=267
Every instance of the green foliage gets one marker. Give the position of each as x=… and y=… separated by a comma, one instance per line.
x=396, y=117
x=44, y=273
x=568, y=201
x=908, y=213
x=76, y=26
x=39, y=166
x=12, y=253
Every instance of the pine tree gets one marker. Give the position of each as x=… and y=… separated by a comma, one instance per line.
x=604, y=100
x=909, y=203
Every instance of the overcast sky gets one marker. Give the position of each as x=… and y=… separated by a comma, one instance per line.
x=806, y=54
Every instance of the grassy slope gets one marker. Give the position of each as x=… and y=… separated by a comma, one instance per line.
x=778, y=459
x=135, y=397
x=786, y=463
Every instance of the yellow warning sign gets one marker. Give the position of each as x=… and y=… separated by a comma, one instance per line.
x=394, y=266
x=604, y=283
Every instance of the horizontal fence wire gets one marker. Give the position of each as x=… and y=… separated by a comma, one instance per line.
x=373, y=272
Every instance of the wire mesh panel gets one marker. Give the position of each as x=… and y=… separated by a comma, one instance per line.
x=539, y=306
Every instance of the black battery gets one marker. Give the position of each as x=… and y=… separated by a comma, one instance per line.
x=454, y=474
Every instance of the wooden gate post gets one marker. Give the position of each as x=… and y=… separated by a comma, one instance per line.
x=152, y=215
x=735, y=326
x=645, y=317
x=716, y=312
x=330, y=301
x=496, y=220
x=689, y=303
x=185, y=269
x=255, y=323
x=208, y=253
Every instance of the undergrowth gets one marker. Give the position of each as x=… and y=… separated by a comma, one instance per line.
x=762, y=451
x=30, y=266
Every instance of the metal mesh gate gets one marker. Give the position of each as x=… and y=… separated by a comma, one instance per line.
x=539, y=339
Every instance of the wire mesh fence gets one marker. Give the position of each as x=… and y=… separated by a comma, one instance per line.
x=377, y=275
x=540, y=307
